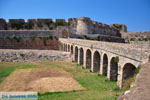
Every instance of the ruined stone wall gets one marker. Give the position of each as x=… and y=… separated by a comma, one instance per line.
x=31, y=24
x=9, y=55
x=82, y=25
x=135, y=35
x=85, y=25
x=13, y=39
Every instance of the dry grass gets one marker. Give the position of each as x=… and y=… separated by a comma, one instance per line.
x=42, y=80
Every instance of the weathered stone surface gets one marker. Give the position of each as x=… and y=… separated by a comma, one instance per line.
x=25, y=39
x=141, y=88
x=15, y=24
x=3, y=24
x=119, y=27
x=82, y=25
x=10, y=55
x=60, y=20
x=27, y=33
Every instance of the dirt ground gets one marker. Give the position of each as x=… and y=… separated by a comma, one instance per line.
x=41, y=80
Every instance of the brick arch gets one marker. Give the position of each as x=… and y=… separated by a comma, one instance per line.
x=96, y=61
x=105, y=64
x=113, y=69
x=76, y=54
x=88, y=58
x=128, y=70
x=81, y=56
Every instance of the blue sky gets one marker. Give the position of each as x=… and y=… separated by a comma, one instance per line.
x=134, y=13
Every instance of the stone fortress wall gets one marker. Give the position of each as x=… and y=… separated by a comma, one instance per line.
x=82, y=25
x=9, y=55
x=85, y=25
x=23, y=31
x=27, y=39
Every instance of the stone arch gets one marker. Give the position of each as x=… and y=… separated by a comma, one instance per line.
x=96, y=61
x=88, y=58
x=71, y=49
x=113, y=69
x=105, y=64
x=128, y=70
x=68, y=48
x=81, y=56
x=76, y=54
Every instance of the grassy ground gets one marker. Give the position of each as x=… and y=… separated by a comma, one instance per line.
x=96, y=86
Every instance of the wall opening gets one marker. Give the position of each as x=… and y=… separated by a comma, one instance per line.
x=71, y=49
x=105, y=65
x=149, y=59
x=76, y=54
x=68, y=48
x=88, y=59
x=96, y=62
x=113, y=69
x=128, y=70
x=81, y=56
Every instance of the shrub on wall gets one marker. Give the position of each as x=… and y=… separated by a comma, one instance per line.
x=69, y=23
x=59, y=23
x=116, y=59
x=45, y=39
x=32, y=37
x=48, y=23
x=7, y=37
x=22, y=55
x=29, y=25
x=14, y=37
x=18, y=25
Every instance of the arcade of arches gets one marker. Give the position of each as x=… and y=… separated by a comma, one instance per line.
x=99, y=62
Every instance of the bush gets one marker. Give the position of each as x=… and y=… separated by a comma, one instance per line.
x=17, y=25
x=22, y=55
x=15, y=38
x=69, y=23
x=32, y=37
x=45, y=39
x=116, y=59
x=132, y=39
x=7, y=37
x=59, y=23
x=137, y=69
x=98, y=38
x=29, y=25
x=49, y=22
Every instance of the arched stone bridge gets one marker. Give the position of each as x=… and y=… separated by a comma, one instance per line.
x=117, y=61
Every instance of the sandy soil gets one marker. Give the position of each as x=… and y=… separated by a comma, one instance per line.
x=42, y=80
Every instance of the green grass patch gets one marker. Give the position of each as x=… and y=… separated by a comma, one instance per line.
x=96, y=88
x=7, y=68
